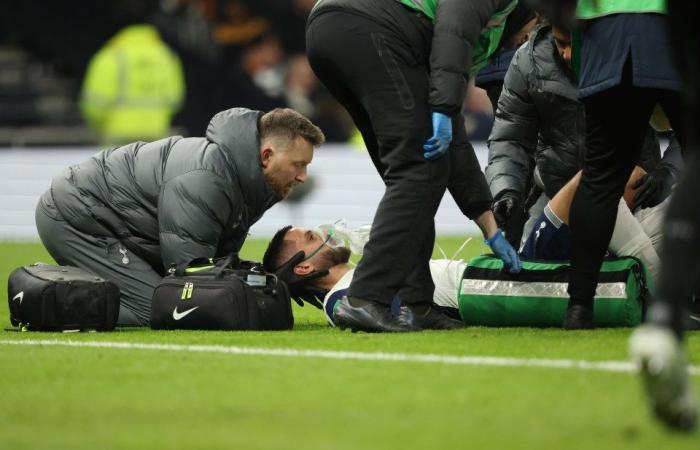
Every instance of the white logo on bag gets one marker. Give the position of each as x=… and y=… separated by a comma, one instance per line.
x=19, y=297
x=180, y=315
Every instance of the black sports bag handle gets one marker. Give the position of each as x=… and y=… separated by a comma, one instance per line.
x=219, y=265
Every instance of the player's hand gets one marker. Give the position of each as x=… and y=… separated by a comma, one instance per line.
x=505, y=252
x=653, y=188
x=437, y=145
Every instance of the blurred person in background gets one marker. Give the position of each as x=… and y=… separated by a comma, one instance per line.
x=263, y=63
x=300, y=84
x=133, y=86
x=304, y=93
x=477, y=113
x=231, y=57
x=657, y=346
x=288, y=19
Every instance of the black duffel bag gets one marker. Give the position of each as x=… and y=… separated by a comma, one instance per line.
x=224, y=294
x=43, y=297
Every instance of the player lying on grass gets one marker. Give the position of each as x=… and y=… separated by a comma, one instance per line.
x=316, y=265
x=320, y=263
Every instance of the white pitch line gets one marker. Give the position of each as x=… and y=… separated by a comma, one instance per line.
x=603, y=366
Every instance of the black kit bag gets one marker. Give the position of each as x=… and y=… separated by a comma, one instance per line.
x=44, y=297
x=223, y=294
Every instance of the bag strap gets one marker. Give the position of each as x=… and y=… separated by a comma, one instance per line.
x=219, y=265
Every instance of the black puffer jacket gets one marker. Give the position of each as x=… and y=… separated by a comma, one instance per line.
x=174, y=199
x=540, y=121
x=456, y=29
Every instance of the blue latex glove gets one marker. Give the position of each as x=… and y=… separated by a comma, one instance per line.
x=437, y=145
x=505, y=252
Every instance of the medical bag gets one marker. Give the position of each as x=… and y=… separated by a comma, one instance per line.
x=224, y=294
x=43, y=297
x=537, y=296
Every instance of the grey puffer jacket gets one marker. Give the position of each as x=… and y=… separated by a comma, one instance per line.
x=540, y=124
x=174, y=199
x=455, y=32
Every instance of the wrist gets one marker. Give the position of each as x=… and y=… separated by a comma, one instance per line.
x=508, y=193
x=496, y=236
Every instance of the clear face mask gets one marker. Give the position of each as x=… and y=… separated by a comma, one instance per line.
x=353, y=238
x=328, y=240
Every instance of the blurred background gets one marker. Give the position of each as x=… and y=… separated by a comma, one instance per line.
x=80, y=75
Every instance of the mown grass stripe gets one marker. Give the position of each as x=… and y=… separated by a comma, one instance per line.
x=604, y=366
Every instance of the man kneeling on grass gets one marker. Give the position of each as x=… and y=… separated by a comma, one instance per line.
x=128, y=213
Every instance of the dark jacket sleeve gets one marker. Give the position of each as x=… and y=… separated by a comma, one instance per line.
x=513, y=139
x=458, y=24
x=192, y=212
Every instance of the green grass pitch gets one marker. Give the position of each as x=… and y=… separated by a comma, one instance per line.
x=114, y=398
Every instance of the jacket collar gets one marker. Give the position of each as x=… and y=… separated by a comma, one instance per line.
x=550, y=71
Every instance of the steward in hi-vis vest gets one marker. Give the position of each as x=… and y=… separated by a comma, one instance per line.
x=132, y=88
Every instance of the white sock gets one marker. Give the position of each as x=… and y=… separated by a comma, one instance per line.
x=629, y=239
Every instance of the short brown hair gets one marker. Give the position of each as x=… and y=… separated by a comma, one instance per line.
x=289, y=124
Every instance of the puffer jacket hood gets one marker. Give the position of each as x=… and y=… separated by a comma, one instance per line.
x=235, y=131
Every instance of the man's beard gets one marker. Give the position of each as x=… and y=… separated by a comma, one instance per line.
x=280, y=188
x=334, y=256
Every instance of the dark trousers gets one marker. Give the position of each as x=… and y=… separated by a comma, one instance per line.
x=617, y=120
x=380, y=75
x=103, y=256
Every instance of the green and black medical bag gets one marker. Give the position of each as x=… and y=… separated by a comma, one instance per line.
x=537, y=296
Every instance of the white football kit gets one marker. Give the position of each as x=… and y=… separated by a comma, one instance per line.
x=447, y=275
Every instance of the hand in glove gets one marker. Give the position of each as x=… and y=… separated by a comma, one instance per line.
x=437, y=145
x=505, y=252
x=505, y=207
x=653, y=187
x=299, y=285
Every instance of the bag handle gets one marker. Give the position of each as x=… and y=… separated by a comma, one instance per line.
x=219, y=265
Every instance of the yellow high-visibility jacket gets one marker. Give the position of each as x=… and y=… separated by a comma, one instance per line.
x=133, y=86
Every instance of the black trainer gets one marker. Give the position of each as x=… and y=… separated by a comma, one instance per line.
x=578, y=317
x=364, y=315
x=426, y=317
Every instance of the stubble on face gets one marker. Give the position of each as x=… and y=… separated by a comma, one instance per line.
x=281, y=187
x=287, y=167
